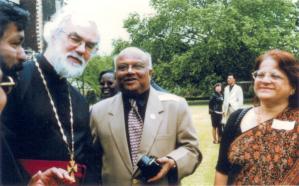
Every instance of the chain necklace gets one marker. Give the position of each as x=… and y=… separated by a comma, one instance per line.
x=72, y=167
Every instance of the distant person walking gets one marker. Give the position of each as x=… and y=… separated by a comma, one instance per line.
x=215, y=110
x=233, y=97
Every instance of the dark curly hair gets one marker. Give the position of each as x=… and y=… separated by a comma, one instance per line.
x=12, y=13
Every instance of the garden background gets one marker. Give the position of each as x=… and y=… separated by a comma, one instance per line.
x=196, y=43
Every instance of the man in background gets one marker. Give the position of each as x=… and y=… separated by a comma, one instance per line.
x=108, y=85
x=233, y=97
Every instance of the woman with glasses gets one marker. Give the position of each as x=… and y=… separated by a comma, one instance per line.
x=260, y=144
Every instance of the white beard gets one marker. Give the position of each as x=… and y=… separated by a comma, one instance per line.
x=66, y=68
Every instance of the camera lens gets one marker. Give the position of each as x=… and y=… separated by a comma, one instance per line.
x=148, y=167
x=144, y=161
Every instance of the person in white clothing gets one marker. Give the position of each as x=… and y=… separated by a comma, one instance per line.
x=233, y=97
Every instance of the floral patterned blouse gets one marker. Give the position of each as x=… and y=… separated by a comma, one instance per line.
x=267, y=155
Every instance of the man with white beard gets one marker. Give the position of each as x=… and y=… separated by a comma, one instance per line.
x=49, y=117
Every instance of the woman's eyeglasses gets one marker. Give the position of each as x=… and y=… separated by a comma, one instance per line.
x=259, y=75
x=7, y=84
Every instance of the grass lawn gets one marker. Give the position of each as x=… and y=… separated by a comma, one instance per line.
x=204, y=174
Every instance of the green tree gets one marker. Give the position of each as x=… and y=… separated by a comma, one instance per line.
x=119, y=45
x=89, y=80
x=195, y=43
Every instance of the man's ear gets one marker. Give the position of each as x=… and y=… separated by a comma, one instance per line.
x=114, y=74
x=55, y=35
x=151, y=72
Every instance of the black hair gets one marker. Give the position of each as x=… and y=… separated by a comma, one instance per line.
x=217, y=84
x=231, y=74
x=104, y=72
x=12, y=13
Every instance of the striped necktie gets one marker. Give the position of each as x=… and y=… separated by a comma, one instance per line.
x=135, y=126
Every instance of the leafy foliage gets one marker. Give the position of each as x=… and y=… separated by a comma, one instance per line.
x=89, y=80
x=196, y=43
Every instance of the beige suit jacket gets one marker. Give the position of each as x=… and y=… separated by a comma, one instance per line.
x=167, y=131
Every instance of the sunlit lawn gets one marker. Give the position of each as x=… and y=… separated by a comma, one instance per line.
x=204, y=174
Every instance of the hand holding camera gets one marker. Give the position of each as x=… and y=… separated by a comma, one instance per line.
x=153, y=169
x=149, y=167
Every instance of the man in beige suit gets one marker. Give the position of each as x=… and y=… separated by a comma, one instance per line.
x=167, y=131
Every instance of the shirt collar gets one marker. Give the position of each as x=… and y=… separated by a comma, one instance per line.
x=141, y=99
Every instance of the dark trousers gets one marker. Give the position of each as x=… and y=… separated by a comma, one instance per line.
x=216, y=122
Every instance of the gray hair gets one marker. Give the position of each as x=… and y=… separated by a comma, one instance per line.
x=137, y=53
x=62, y=17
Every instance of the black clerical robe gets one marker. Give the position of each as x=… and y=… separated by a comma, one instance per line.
x=30, y=115
x=11, y=172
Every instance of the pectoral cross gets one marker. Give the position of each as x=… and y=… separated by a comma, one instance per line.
x=72, y=168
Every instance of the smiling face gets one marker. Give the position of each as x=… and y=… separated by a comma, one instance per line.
x=108, y=85
x=81, y=40
x=133, y=74
x=271, y=84
x=71, y=48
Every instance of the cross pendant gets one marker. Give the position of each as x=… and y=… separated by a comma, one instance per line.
x=72, y=168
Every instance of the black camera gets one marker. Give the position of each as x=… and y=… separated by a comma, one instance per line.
x=149, y=167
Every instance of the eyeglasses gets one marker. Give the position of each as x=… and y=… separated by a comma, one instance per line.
x=259, y=75
x=7, y=84
x=76, y=41
x=127, y=67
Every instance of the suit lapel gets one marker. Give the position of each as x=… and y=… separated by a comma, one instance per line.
x=118, y=130
x=152, y=121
